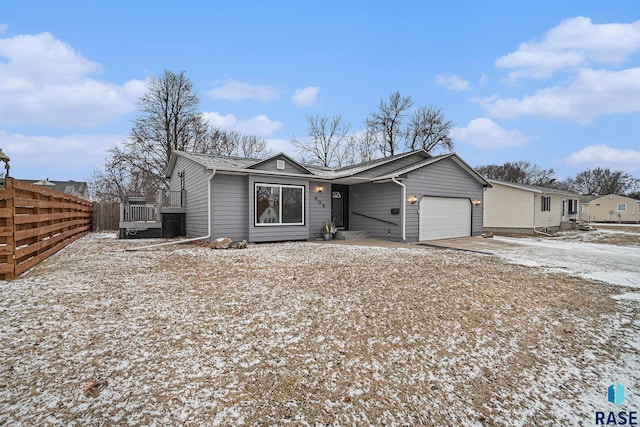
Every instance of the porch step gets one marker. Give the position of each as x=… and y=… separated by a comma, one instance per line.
x=350, y=235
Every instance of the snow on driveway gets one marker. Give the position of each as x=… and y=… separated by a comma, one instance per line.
x=618, y=265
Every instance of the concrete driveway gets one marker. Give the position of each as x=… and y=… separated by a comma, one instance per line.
x=618, y=265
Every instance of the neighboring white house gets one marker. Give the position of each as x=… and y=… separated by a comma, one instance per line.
x=520, y=208
x=610, y=208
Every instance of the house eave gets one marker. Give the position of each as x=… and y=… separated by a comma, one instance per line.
x=247, y=172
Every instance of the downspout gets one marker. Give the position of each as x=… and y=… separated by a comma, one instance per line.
x=404, y=206
x=175, y=242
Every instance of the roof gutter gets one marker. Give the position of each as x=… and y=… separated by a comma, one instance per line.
x=404, y=206
x=175, y=242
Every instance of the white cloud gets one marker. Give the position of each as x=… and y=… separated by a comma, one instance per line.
x=279, y=146
x=452, y=82
x=593, y=93
x=238, y=91
x=574, y=43
x=259, y=125
x=604, y=156
x=45, y=82
x=65, y=157
x=305, y=97
x=487, y=134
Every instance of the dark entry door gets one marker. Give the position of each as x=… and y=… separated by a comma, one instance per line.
x=340, y=206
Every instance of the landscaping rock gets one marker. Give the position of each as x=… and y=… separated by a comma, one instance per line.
x=221, y=243
x=239, y=245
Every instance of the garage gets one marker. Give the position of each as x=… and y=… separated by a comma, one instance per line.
x=444, y=218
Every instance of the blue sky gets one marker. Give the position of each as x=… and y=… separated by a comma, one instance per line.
x=555, y=83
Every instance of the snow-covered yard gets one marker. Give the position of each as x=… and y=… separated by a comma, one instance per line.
x=308, y=334
x=585, y=254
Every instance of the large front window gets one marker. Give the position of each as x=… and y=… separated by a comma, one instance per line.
x=279, y=204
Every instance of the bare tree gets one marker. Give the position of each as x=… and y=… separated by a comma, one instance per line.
x=601, y=181
x=220, y=142
x=232, y=143
x=388, y=122
x=253, y=147
x=170, y=118
x=117, y=178
x=427, y=129
x=520, y=172
x=326, y=143
x=361, y=147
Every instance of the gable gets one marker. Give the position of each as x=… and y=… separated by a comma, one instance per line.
x=282, y=164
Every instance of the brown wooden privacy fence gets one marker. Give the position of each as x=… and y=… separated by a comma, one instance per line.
x=106, y=216
x=35, y=223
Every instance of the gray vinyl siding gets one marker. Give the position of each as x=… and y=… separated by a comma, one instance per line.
x=376, y=200
x=444, y=179
x=392, y=166
x=273, y=233
x=319, y=207
x=196, y=178
x=271, y=166
x=230, y=207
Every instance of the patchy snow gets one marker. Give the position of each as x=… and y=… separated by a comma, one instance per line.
x=308, y=334
x=618, y=265
x=629, y=295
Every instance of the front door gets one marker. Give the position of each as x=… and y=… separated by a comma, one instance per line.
x=340, y=206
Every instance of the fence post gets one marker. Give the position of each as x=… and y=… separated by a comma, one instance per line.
x=12, y=239
x=7, y=231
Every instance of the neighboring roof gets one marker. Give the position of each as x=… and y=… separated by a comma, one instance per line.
x=533, y=188
x=243, y=165
x=75, y=188
x=593, y=198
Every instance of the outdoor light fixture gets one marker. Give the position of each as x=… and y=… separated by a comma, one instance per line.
x=476, y=202
x=4, y=158
x=412, y=199
x=319, y=189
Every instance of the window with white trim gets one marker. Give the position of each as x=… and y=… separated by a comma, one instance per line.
x=279, y=204
x=622, y=207
x=572, y=206
x=545, y=204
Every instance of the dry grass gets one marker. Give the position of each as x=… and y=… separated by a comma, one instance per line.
x=303, y=334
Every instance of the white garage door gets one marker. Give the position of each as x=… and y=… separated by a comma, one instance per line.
x=444, y=218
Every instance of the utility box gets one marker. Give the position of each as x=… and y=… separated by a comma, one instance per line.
x=174, y=225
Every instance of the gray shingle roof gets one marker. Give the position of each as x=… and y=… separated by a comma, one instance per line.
x=212, y=161
x=238, y=164
x=534, y=188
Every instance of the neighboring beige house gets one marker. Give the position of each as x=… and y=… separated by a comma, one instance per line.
x=520, y=208
x=610, y=208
